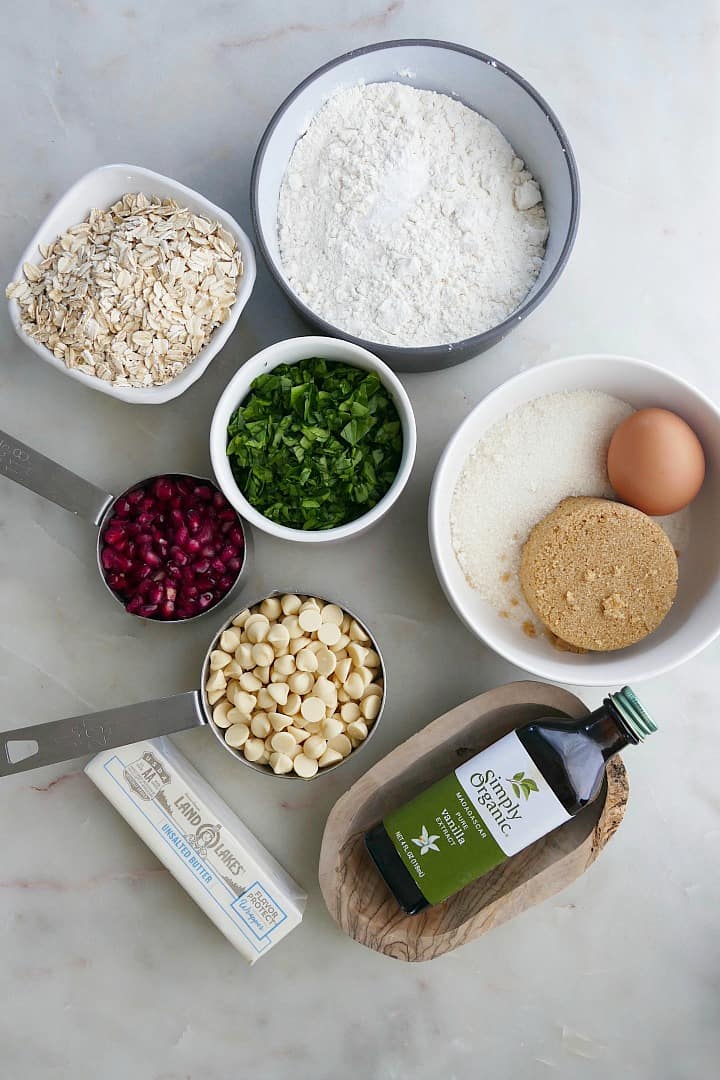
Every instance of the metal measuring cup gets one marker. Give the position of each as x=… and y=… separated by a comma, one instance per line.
x=61, y=740
x=59, y=485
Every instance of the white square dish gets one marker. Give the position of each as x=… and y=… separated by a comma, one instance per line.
x=101, y=188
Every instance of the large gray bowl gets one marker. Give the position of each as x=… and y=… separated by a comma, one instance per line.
x=482, y=83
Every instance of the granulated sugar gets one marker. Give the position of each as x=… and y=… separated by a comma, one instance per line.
x=543, y=452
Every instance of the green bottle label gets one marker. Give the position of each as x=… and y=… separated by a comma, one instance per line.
x=491, y=807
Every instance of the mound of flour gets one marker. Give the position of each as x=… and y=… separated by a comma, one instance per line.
x=406, y=217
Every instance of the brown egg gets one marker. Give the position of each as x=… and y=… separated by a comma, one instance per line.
x=655, y=462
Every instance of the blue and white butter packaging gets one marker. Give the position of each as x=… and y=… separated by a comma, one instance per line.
x=202, y=842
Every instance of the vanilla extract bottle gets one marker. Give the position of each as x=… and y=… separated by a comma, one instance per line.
x=501, y=801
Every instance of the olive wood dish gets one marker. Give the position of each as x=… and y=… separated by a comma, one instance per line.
x=357, y=897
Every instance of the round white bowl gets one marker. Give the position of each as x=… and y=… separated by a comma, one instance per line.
x=694, y=619
x=101, y=188
x=291, y=352
x=479, y=81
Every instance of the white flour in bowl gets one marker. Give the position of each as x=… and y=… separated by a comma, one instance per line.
x=406, y=218
x=522, y=467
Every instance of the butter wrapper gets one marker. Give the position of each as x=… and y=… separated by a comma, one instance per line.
x=202, y=842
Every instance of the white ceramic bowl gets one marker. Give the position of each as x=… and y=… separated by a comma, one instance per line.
x=291, y=352
x=693, y=621
x=479, y=81
x=101, y=188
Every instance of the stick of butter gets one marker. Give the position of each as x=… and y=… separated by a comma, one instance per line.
x=202, y=842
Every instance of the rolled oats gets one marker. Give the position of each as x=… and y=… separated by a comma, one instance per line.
x=132, y=294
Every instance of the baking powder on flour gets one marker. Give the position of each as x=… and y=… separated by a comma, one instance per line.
x=406, y=218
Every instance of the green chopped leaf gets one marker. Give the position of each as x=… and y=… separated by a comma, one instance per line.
x=315, y=444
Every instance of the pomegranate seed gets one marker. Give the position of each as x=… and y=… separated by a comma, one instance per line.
x=228, y=514
x=107, y=558
x=173, y=572
x=217, y=566
x=144, y=539
x=205, y=600
x=194, y=520
x=143, y=571
x=155, y=593
x=187, y=574
x=147, y=610
x=145, y=518
x=201, y=566
x=167, y=609
x=204, y=493
x=191, y=592
x=134, y=604
x=122, y=509
x=164, y=490
x=192, y=546
x=135, y=496
x=178, y=555
x=234, y=565
x=225, y=584
x=219, y=500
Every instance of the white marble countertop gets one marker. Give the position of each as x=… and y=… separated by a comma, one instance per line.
x=108, y=970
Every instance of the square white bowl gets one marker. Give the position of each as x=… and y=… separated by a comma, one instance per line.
x=101, y=188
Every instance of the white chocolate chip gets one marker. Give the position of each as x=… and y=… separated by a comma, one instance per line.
x=233, y=670
x=373, y=688
x=357, y=653
x=230, y=639
x=293, y=627
x=357, y=633
x=310, y=620
x=306, y=660
x=281, y=764
x=244, y=702
x=340, y=644
x=279, y=692
x=370, y=706
x=305, y=767
x=214, y=696
x=372, y=659
x=265, y=700
x=329, y=633
x=332, y=614
x=341, y=743
x=278, y=637
x=263, y=674
x=249, y=682
x=262, y=654
x=283, y=742
x=254, y=749
x=298, y=644
x=301, y=682
x=354, y=685
x=220, y=714
x=243, y=655
x=314, y=747
x=237, y=735
x=290, y=604
x=313, y=727
x=219, y=659
x=279, y=721
x=242, y=618
x=365, y=674
x=298, y=733
x=260, y=725
x=326, y=660
x=217, y=681
x=350, y=711
x=236, y=717
x=331, y=727
x=343, y=669
x=292, y=706
x=357, y=730
x=309, y=603
x=256, y=628
x=330, y=757
x=271, y=608
x=284, y=665
x=313, y=709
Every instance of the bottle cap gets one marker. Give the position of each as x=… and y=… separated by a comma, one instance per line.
x=637, y=719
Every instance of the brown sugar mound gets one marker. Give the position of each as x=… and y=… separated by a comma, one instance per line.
x=600, y=575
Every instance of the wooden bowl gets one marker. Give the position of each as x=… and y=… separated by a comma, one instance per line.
x=357, y=897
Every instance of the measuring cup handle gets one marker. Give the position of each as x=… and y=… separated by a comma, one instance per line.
x=62, y=740
x=54, y=482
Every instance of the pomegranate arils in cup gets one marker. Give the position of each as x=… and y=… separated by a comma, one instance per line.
x=172, y=548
